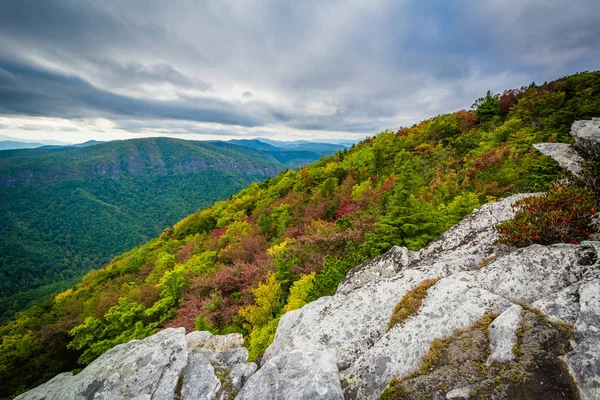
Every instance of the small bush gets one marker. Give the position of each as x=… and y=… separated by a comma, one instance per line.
x=410, y=303
x=561, y=216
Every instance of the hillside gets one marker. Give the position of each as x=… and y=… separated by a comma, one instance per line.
x=67, y=210
x=241, y=264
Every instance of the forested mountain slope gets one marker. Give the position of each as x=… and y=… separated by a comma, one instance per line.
x=240, y=264
x=67, y=210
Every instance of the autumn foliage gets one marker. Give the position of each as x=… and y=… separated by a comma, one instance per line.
x=561, y=216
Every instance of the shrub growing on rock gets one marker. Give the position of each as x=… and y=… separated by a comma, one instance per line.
x=411, y=303
x=562, y=216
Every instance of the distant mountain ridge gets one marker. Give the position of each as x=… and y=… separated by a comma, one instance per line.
x=293, y=153
x=117, y=159
x=66, y=210
x=11, y=144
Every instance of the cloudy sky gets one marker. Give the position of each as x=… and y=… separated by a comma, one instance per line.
x=74, y=70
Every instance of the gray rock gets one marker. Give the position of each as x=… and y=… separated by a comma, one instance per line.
x=586, y=131
x=564, y=154
x=351, y=323
x=534, y=272
x=227, y=358
x=503, y=335
x=51, y=389
x=461, y=393
x=240, y=373
x=199, y=379
x=562, y=306
x=454, y=302
x=218, y=343
x=588, y=321
x=472, y=238
x=383, y=266
x=198, y=339
x=140, y=369
x=156, y=368
x=583, y=364
x=295, y=375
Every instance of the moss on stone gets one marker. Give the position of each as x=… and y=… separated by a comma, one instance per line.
x=226, y=390
x=460, y=361
x=411, y=303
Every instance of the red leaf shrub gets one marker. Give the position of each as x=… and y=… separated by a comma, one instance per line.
x=562, y=216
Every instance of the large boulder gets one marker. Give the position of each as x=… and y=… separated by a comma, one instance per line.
x=563, y=153
x=164, y=366
x=141, y=369
x=586, y=132
x=295, y=375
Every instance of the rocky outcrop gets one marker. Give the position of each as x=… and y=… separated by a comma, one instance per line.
x=564, y=154
x=167, y=365
x=148, y=368
x=503, y=335
x=586, y=134
x=476, y=278
x=586, y=131
x=296, y=374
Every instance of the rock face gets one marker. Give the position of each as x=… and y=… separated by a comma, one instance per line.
x=167, y=365
x=586, y=131
x=503, y=335
x=587, y=137
x=348, y=332
x=148, y=368
x=296, y=374
x=564, y=154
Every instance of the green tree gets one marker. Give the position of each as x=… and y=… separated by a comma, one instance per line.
x=486, y=108
x=409, y=221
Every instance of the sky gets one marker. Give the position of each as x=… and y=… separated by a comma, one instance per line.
x=77, y=70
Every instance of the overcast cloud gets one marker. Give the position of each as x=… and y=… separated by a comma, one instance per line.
x=75, y=70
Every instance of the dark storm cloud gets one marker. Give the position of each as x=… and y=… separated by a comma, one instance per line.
x=338, y=65
x=134, y=73
x=30, y=91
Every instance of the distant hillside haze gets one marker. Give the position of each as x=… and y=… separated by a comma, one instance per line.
x=120, y=159
x=12, y=144
x=293, y=153
x=9, y=142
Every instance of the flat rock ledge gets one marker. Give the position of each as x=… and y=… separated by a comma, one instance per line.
x=167, y=365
